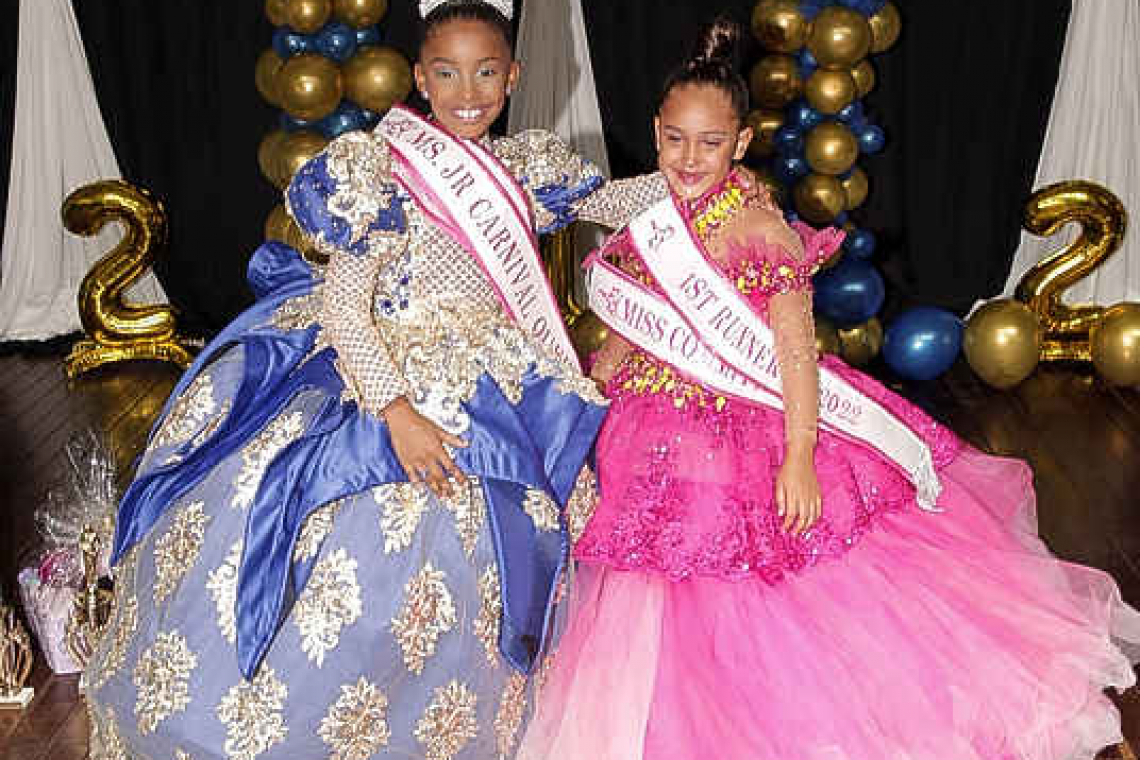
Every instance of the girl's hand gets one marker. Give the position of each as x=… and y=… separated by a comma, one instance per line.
x=798, y=498
x=419, y=446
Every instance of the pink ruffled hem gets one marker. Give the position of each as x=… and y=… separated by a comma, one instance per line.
x=952, y=636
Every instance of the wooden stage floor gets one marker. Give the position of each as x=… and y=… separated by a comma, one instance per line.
x=1082, y=438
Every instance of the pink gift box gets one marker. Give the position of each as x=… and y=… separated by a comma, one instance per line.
x=48, y=607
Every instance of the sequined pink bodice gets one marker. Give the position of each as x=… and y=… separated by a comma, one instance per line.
x=687, y=478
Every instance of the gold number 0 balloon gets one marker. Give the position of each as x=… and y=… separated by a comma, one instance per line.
x=1103, y=221
x=116, y=330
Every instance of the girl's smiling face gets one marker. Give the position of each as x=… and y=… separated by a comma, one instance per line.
x=698, y=137
x=466, y=72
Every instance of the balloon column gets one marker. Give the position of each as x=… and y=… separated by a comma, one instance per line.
x=329, y=75
x=811, y=128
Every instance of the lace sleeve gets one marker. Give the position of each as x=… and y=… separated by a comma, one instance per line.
x=618, y=201
x=777, y=263
x=343, y=200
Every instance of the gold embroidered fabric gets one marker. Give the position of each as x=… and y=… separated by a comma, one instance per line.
x=356, y=725
x=449, y=722
x=331, y=600
x=177, y=550
x=251, y=711
x=162, y=677
x=428, y=613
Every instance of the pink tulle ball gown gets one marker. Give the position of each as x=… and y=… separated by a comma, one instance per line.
x=701, y=630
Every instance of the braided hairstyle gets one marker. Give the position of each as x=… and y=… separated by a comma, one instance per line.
x=713, y=62
x=468, y=10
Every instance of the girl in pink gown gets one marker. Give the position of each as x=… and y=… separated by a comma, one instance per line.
x=752, y=587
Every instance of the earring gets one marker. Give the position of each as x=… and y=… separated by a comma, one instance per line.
x=424, y=94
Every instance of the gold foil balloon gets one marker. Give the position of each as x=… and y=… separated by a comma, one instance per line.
x=860, y=344
x=280, y=226
x=1002, y=342
x=839, y=37
x=588, y=333
x=116, y=329
x=377, y=77
x=864, y=76
x=293, y=152
x=826, y=336
x=819, y=198
x=268, y=153
x=1102, y=222
x=360, y=13
x=830, y=148
x=764, y=123
x=779, y=25
x=309, y=86
x=307, y=16
x=885, y=27
x=855, y=187
x=275, y=12
x=775, y=81
x=1115, y=343
x=265, y=75
x=829, y=90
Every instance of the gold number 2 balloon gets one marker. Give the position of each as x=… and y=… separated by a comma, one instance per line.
x=117, y=330
x=1066, y=329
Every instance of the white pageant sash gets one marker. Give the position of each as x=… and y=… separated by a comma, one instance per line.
x=473, y=197
x=704, y=328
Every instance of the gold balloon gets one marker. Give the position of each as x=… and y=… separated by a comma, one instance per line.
x=293, y=152
x=280, y=226
x=855, y=186
x=885, y=27
x=360, y=13
x=265, y=75
x=819, y=198
x=826, y=336
x=1116, y=344
x=1002, y=342
x=377, y=77
x=779, y=25
x=829, y=90
x=864, y=76
x=307, y=16
x=1103, y=222
x=116, y=329
x=267, y=154
x=860, y=344
x=830, y=148
x=309, y=86
x=275, y=12
x=775, y=81
x=839, y=37
x=764, y=123
x=588, y=333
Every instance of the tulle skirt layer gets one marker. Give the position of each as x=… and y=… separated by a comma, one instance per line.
x=950, y=636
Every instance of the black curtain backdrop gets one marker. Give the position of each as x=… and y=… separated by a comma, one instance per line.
x=964, y=97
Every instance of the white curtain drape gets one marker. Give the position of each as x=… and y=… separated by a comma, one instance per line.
x=557, y=90
x=59, y=144
x=1094, y=134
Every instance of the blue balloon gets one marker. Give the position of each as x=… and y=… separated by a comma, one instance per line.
x=337, y=41
x=803, y=117
x=871, y=139
x=807, y=62
x=287, y=43
x=922, y=343
x=369, y=118
x=866, y=7
x=853, y=115
x=369, y=35
x=791, y=168
x=789, y=141
x=791, y=217
x=840, y=220
x=860, y=244
x=346, y=118
x=811, y=8
x=293, y=124
x=849, y=293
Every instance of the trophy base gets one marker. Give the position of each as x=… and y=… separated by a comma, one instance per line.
x=17, y=701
